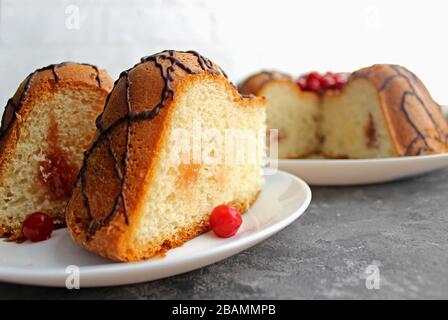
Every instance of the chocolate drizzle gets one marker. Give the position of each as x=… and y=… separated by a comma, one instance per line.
x=97, y=72
x=265, y=76
x=167, y=62
x=411, y=92
x=17, y=105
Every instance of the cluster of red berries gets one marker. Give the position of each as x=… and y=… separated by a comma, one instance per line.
x=316, y=82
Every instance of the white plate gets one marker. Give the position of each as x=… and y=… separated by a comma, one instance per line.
x=283, y=199
x=328, y=172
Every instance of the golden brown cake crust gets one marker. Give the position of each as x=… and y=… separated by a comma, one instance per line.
x=258, y=83
x=415, y=121
x=255, y=83
x=127, y=146
x=41, y=82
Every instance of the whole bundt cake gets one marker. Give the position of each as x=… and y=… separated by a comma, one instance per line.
x=379, y=111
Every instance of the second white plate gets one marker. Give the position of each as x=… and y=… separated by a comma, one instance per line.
x=329, y=172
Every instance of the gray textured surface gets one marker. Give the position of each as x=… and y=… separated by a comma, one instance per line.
x=402, y=226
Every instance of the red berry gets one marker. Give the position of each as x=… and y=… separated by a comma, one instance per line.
x=341, y=79
x=225, y=221
x=37, y=227
x=302, y=83
x=314, y=75
x=338, y=86
x=313, y=84
x=328, y=81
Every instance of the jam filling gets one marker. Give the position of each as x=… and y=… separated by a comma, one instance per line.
x=56, y=173
x=370, y=133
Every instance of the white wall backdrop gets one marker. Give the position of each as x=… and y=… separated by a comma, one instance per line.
x=241, y=36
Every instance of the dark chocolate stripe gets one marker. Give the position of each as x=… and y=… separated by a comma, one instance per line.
x=29, y=80
x=97, y=71
x=420, y=135
x=166, y=73
x=387, y=81
x=267, y=76
x=412, y=80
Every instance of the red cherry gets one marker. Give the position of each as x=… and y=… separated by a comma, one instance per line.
x=341, y=78
x=37, y=227
x=225, y=221
x=328, y=81
x=302, y=83
x=314, y=75
x=313, y=84
x=338, y=86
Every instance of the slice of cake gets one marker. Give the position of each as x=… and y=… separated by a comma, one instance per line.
x=157, y=167
x=46, y=126
x=293, y=112
x=382, y=111
x=379, y=111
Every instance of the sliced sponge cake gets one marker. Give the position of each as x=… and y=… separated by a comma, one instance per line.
x=293, y=112
x=383, y=111
x=150, y=202
x=46, y=127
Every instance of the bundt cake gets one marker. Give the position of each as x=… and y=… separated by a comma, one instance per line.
x=45, y=128
x=379, y=111
x=149, y=201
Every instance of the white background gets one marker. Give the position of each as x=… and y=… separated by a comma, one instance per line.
x=241, y=36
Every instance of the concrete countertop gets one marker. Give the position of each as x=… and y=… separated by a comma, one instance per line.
x=399, y=229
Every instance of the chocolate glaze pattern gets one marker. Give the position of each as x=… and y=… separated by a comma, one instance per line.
x=17, y=105
x=262, y=78
x=167, y=62
x=414, y=90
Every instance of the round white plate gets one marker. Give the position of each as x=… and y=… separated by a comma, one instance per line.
x=283, y=199
x=328, y=172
